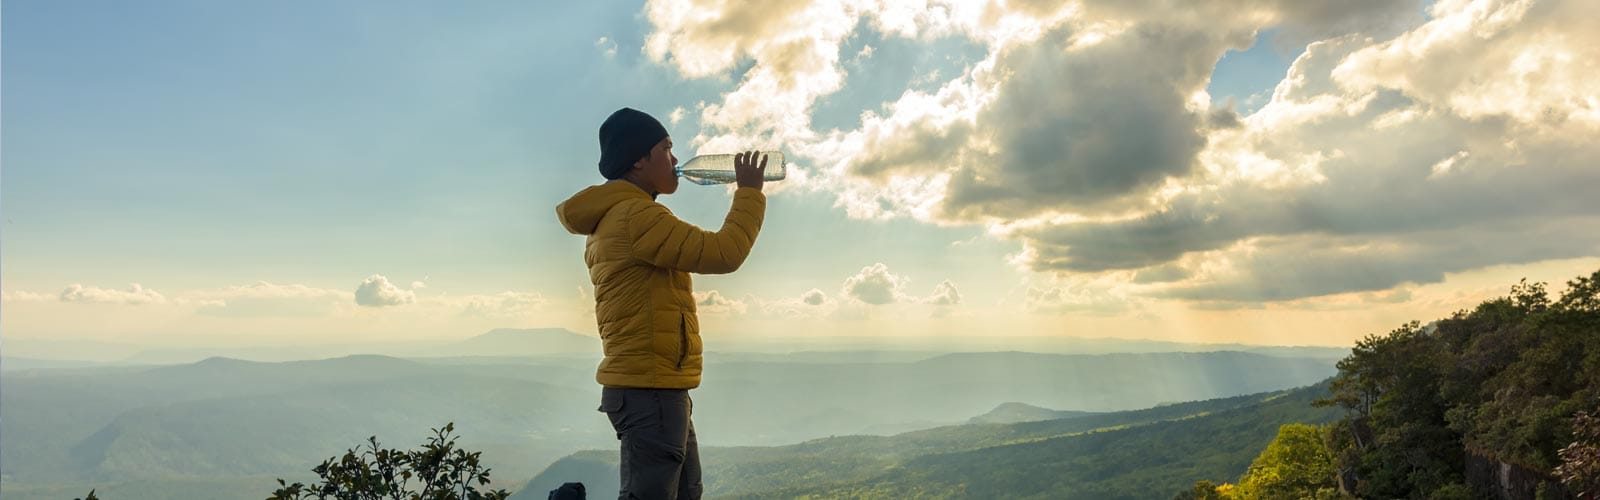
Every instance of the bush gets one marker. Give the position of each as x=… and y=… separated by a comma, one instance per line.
x=439, y=470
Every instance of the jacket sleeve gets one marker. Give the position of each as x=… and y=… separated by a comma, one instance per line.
x=664, y=240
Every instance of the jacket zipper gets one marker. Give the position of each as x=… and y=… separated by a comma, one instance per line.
x=683, y=335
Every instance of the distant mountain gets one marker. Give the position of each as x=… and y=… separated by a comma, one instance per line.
x=1011, y=413
x=524, y=342
x=10, y=364
x=71, y=349
x=227, y=417
x=597, y=470
x=776, y=403
x=176, y=356
x=224, y=417
x=1047, y=344
x=1150, y=453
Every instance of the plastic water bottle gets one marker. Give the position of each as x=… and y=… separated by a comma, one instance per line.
x=706, y=170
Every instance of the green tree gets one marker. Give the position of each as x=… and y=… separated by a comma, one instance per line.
x=1294, y=465
x=1580, y=461
x=1202, y=490
x=1503, y=380
x=438, y=471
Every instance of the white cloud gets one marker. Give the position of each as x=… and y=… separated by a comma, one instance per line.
x=264, y=289
x=875, y=285
x=136, y=294
x=607, y=46
x=713, y=302
x=944, y=294
x=377, y=291
x=677, y=115
x=1528, y=61
x=865, y=53
x=264, y=299
x=508, y=304
x=25, y=296
x=795, y=48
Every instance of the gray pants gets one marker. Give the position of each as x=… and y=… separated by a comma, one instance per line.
x=660, y=459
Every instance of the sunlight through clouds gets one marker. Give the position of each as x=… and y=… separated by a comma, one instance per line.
x=1101, y=167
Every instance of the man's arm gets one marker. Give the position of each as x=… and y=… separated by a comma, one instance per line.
x=664, y=240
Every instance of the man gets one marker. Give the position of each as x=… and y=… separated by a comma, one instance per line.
x=639, y=257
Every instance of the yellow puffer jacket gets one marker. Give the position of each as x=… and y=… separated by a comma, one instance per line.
x=640, y=257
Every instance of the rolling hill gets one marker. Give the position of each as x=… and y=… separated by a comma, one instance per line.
x=1150, y=453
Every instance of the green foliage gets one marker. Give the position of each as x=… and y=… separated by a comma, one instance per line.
x=1202, y=490
x=1502, y=380
x=1295, y=465
x=89, y=497
x=1136, y=461
x=440, y=470
x=1580, y=461
x=1452, y=491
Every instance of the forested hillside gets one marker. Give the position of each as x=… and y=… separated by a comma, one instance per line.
x=1496, y=401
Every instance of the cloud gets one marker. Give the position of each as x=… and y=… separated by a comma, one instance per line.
x=865, y=53
x=677, y=115
x=1321, y=170
x=1396, y=148
x=508, y=304
x=1070, y=299
x=944, y=294
x=794, y=46
x=25, y=296
x=607, y=46
x=134, y=295
x=1528, y=61
x=713, y=302
x=814, y=297
x=1161, y=274
x=1083, y=131
x=264, y=299
x=377, y=291
x=263, y=289
x=1302, y=267
x=875, y=285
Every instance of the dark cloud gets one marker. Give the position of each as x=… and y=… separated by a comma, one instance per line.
x=1080, y=128
x=1161, y=274
x=1317, y=266
x=1374, y=180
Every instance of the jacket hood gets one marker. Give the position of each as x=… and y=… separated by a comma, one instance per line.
x=581, y=213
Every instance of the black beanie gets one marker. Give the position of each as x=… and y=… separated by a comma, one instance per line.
x=625, y=137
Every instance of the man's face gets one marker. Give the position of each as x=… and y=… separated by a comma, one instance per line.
x=658, y=169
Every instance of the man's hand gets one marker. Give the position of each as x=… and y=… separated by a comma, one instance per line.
x=746, y=172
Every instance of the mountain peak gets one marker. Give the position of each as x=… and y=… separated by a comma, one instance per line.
x=1014, y=412
x=524, y=342
x=222, y=361
x=527, y=332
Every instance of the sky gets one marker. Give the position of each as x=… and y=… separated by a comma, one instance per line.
x=197, y=173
